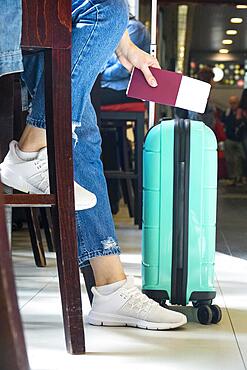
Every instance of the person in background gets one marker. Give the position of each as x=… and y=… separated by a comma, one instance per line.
x=115, y=77
x=206, y=74
x=242, y=126
x=114, y=82
x=233, y=148
x=242, y=120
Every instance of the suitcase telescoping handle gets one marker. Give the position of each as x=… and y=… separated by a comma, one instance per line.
x=153, y=51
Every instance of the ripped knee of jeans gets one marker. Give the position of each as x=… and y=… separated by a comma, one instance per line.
x=74, y=135
x=109, y=243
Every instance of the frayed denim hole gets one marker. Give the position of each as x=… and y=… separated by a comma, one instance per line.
x=74, y=135
x=109, y=242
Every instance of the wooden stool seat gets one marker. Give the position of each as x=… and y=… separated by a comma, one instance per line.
x=125, y=107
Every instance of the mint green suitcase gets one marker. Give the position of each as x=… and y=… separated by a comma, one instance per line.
x=179, y=216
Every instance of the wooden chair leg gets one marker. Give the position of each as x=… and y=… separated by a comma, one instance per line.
x=126, y=167
x=49, y=218
x=124, y=188
x=127, y=187
x=89, y=281
x=35, y=236
x=47, y=226
x=12, y=345
x=6, y=116
x=59, y=139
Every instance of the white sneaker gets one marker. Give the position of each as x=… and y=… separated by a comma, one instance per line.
x=33, y=177
x=127, y=306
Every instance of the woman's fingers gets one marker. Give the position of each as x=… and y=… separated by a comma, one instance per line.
x=148, y=75
x=155, y=63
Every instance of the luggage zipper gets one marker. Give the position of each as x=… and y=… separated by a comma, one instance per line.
x=180, y=212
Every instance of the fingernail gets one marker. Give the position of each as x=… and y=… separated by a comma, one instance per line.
x=153, y=83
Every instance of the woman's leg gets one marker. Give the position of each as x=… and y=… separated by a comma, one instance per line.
x=98, y=26
x=229, y=158
x=97, y=29
x=96, y=231
x=32, y=139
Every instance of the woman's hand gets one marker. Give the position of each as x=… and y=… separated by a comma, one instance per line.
x=131, y=56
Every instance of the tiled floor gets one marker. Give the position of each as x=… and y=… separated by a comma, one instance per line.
x=221, y=347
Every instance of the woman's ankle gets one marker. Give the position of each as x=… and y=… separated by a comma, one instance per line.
x=107, y=270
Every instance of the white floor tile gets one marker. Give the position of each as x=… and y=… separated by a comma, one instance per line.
x=232, y=274
x=29, y=287
x=193, y=347
x=213, y=347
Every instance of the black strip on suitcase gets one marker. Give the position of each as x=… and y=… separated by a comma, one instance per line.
x=180, y=211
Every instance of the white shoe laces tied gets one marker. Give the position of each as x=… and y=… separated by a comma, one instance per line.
x=139, y=301
x=41, y=178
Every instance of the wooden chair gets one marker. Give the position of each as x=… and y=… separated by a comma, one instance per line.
x=47, y=26
x=12, y=345
x=118, y=115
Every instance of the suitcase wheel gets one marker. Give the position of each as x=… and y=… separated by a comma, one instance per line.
x=209, y=314
x=217, y=314
x=205, y=315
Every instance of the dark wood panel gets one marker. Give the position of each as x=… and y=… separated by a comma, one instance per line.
x=36, y=23
x=29, y=199
x=62, y=26
x=12, y=345
x=59, y=140
x=35, y=236
x=46, y=23
x=6, y=113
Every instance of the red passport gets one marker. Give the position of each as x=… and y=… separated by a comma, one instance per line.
x=173, y=89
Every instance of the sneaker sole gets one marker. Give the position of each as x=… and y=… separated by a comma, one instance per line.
x=91, y=204
x=10, y=179
x=99, y=319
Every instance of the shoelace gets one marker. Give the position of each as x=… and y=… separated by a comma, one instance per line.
x=140, y=301
x=41, y=178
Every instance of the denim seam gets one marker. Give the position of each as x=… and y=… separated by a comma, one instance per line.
x=12, y=70
x=10, y=53
x=82, y=260
x=10, y=62
x=89, y=38
x=79, y=231
x=38, y=123
x=35, y=122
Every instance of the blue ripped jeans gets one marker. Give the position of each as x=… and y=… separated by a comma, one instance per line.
x=10, y=36
x=98, y=26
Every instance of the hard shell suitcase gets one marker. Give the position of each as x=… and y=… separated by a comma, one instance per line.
x=179, y=215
